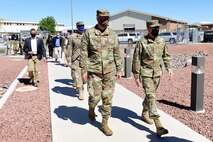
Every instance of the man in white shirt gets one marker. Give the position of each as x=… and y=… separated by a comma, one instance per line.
x=35, y=51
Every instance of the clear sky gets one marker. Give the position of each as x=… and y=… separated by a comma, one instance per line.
x=190, y=11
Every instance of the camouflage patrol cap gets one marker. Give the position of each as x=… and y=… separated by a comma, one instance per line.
x=102, y=12
x=152, y=23
x=79, y=23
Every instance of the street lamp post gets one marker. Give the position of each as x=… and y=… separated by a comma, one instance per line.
x=197, y=84
x=72, y=17
x=127, y=63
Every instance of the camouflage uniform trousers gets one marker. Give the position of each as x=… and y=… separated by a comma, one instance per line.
x=101, y=86
x=76, y=74
x=33, y=68
x=15, y=47
x=150, y=85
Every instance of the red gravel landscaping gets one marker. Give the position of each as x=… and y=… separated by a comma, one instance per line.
x=10, y=68
x=26, y=116
x=174, y=95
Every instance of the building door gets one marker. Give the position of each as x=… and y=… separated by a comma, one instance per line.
x=129, y=27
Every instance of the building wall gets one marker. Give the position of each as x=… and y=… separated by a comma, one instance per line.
x=167, y=25
x=117, y=22
x=207, y=27
x=139, y=20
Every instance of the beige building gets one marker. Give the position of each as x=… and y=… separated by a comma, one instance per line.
x=131, y=20
x=15, y=26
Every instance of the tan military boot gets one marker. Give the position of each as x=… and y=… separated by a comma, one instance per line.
x=145, y=117
x=74, y=84
x=91, y=114
x=160, y=129
x=80, y=94
x=105, y=128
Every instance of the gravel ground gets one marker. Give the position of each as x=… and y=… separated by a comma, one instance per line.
x=26, y=116
x=9, y=70
x=10, y=67
x=174, y=95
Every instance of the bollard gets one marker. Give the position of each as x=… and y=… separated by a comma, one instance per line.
x=127, y=63
x=197, y=84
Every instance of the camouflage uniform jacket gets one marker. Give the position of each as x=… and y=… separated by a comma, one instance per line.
x=15, y=44
x=148, y=55
x=73, y=49
x=100, y=52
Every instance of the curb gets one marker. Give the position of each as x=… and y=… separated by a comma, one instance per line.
x=12, y=88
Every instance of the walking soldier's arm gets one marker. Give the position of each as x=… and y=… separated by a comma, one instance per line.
x=84, y=52
x=117, y=57
x=136, y=62
x=166, y=58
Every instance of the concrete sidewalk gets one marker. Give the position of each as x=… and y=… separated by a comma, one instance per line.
x=70, y=123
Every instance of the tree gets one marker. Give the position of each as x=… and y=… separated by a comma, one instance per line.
x=47, y=24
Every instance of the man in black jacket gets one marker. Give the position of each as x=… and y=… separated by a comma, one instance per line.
x=35, y=51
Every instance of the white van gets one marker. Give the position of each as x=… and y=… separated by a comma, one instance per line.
x=129, y=37
x=169, y=36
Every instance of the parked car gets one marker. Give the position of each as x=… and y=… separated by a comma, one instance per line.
x=208, y=36
x=169, y=36
x=130, y=37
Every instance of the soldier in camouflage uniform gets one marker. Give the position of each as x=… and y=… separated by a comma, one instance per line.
x=100, y=62
x=73, y=57
x=21, y=45
x=146, y=67
x=15, y=45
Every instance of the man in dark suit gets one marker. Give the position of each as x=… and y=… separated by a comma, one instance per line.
x=35, y=51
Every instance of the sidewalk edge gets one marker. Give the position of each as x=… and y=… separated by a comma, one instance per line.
x=12, y=87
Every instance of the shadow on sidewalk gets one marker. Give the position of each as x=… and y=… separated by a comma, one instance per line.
x=173, y=104
x=61, y=64
x=173, y=139
x=75, y=114
x=65, y=81
x=68, y=91
x=127, y=116
x=26, y=81
x=48, y=61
